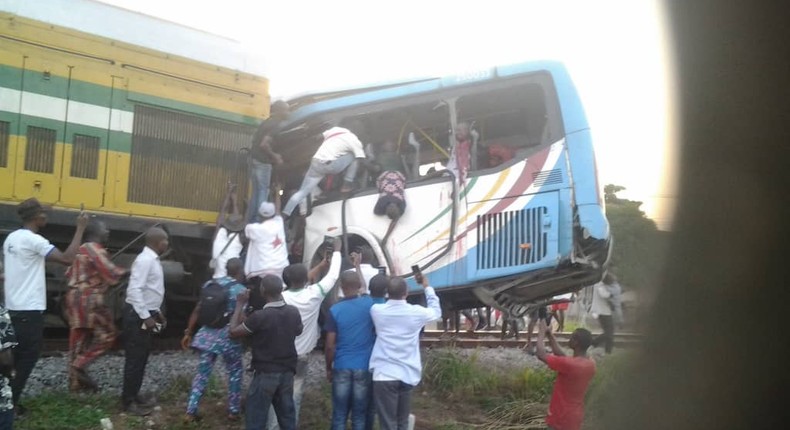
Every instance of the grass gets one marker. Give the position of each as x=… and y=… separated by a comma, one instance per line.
x=459, y=391
x=61, y=411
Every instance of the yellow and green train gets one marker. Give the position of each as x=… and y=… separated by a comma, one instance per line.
x=140, y=120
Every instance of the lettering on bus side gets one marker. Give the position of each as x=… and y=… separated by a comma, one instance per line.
x=469, y=76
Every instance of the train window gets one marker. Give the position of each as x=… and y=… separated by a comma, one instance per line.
x=40, y=149
x=508, y=120
x=184, y=161
x=85, y=157
x=5, y=136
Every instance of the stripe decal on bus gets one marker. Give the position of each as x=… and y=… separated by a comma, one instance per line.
x=446, y=209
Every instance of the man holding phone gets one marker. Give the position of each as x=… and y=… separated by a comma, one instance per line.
x=395, y=361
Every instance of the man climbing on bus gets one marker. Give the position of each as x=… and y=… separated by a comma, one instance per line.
x=340, y=150
x=262, y=157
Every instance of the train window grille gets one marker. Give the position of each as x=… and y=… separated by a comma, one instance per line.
x=85, y=156
x=511, y=238
x=5, y=137
x=184, y=161
x=40, y=149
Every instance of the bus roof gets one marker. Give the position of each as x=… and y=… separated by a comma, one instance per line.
x=316, y=104
x=101, y=19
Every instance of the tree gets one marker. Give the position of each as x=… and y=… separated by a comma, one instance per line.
x=639, y=247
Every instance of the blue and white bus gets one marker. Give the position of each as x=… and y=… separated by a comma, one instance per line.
x=525, y=223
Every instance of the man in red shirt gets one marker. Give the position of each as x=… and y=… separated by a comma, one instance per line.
x=566, y=410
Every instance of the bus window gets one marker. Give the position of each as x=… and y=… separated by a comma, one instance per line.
x=508, y=121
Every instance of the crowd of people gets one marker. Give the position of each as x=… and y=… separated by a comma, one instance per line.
x=257, y=298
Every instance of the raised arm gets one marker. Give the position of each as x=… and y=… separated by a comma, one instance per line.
x=330, y=279
x=433, y=311
x=237, y=327
x=67, y=257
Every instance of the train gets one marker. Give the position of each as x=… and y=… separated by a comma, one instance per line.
x=140, y=121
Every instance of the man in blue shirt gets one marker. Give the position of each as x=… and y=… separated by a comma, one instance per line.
x=349, y=342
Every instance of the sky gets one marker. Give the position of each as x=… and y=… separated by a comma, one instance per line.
x=616, y=51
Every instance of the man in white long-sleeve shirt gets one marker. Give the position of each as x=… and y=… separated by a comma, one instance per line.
x=395, y=361
x=307, y=299
x=141, y=314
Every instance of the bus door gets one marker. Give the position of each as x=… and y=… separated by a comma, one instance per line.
x=87, y=135
x=516, y=237
x=42, y=113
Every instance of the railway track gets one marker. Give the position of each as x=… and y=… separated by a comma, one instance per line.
x=492, y=339
x=56, y=346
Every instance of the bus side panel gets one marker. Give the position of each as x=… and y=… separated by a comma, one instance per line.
x=586, y=188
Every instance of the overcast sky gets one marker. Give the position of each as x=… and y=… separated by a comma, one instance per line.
x=616, y=51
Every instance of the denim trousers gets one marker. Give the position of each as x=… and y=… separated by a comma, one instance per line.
x=301, y=373
x=317, y=170
x=271, y=389
x=260, y=178
x=351, y=391
x=393, y=404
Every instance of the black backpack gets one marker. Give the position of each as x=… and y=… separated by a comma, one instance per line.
x=213, y=306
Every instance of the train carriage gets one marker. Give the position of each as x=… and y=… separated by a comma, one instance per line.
x=140, y=120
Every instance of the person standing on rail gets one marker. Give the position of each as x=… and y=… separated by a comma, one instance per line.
x=212, y=342
x=340, y=150
x=395, y=360
x=228, y=240
x=606, y=305
x=91, y=327
x=307, y=299
x=267, y=252
x=142, y=316
x=273, y=330
x=25, y=253
x=349, y=343
x=566, y=410
x=262, y=157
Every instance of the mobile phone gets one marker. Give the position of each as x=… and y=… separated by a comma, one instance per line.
x=383, y=271
x=417, y=273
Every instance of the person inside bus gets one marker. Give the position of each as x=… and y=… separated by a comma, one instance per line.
x=262, y=157
x=340, y=150
x=391, y=183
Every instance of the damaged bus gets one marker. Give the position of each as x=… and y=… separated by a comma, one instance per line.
x=522, y=222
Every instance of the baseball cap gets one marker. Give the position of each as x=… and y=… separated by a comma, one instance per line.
x=266, y=209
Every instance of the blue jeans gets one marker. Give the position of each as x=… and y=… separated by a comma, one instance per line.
x=7, y=420
x=271, y=389
x=318, y=169
x=260, y=177
x=351, y=391
x=301, y=373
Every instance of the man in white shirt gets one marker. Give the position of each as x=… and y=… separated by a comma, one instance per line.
x=267, y=253
x=340, y=150
x=25, y=253
x=395, y=361
x=142, y=316
x=227, y=239
x=307, y=299
x=367, y=269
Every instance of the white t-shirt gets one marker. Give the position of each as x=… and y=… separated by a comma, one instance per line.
x=25, y=280
x=338, y=142
x=368, y=272
x=232, y=251
x=267, y=250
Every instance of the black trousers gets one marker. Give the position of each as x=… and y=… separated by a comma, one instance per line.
x=137, y=347
x=29, y=329
x=607, y=338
